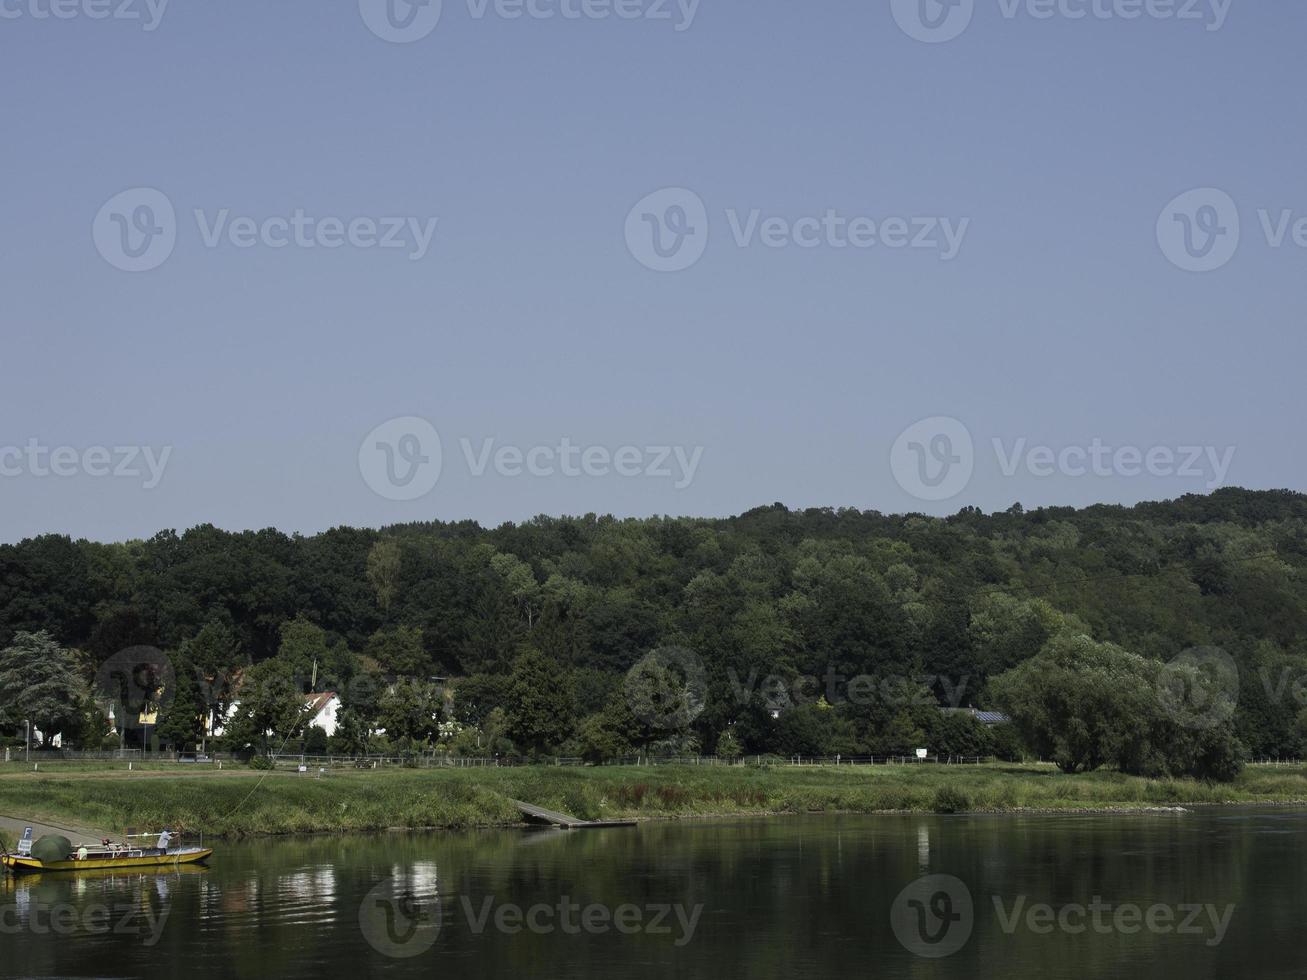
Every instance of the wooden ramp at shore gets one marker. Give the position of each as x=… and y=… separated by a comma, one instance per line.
x=555, y=819
x=14, y=827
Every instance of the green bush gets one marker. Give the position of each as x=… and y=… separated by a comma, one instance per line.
x=315, y=741
x=728, y=746
x=950, y=799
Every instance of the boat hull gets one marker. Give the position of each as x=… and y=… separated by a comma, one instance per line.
x=23, y=865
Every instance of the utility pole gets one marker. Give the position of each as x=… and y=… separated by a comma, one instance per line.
x=28, y=723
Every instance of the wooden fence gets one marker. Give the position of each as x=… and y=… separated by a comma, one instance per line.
x=440, y=761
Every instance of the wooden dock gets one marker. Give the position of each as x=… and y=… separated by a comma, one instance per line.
x=539, y=814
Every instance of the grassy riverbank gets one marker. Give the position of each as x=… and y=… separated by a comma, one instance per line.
x=238, y=802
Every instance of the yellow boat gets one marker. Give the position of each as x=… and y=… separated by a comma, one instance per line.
x=58, y=854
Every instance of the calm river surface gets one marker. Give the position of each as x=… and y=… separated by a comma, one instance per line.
x=1220, y=893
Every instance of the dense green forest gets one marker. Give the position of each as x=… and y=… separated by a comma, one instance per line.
x=819, y=630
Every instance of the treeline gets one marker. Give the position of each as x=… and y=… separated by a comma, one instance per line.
x=826, y=630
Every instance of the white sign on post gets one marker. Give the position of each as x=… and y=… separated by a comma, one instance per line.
x=921, y=753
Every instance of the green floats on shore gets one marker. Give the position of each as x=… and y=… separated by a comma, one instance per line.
x=241, y=803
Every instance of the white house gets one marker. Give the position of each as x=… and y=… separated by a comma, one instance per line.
x=321, y=709
x=215, y=726
x=38, y=738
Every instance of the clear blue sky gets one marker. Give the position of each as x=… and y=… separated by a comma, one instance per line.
x=529, y=320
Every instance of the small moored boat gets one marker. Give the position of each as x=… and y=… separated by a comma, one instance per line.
x=55, y=853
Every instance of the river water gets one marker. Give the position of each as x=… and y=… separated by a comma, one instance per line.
x=1216, y=893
